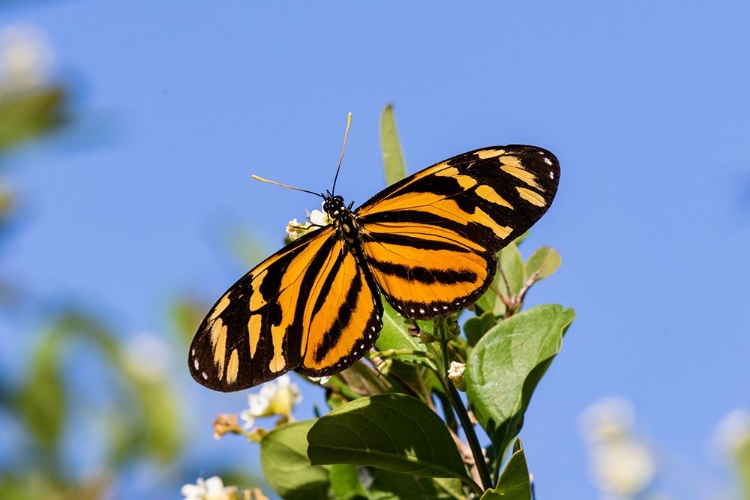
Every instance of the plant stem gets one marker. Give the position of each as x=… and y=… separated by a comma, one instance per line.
x=463, y=416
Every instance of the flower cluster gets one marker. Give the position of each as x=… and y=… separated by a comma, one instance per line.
x=274, y=398
x=315, y=220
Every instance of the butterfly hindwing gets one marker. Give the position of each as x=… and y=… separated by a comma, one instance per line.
x=343, y=314
x=431, y=238
x=309, y=308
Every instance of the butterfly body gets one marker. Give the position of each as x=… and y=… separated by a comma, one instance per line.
x=427, y=243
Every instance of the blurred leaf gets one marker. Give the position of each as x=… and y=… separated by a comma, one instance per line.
x=41, y=399
x=186, y=317
x=146, y=416
x=392, y=431
x=159, y=419
x=514, y=482
x=545, y=260
x=7, y=204
x=506, y=365
x=741, y=459
x=283, y=456
x=393, y=158
x=30, y=114
x=32, y=484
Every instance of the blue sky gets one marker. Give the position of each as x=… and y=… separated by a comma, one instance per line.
x=646, y=104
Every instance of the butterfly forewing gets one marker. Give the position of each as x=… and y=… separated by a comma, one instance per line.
x=285, y=314
x=431, y=238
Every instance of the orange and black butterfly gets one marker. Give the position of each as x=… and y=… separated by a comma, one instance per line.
x=427, y=243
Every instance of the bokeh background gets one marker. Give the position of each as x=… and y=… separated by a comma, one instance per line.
x=128, y=134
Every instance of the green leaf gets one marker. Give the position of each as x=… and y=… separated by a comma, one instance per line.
x=391, y=431
x=545, y=260
x=508, y=281
x=395, y=336
x=514, y=483
x=505, y=366
x=393, y=158
x=283, y=456
x=477, y=326
x=355, y=382
x=396, y=486
x=510, y=271
x=345, y=484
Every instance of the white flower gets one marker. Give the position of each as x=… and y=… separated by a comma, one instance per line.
x=319, y=380
x=210, y=489
x=456, y=370
x=294, y=229
x=25, y=57
x=319, y=218
x=315, y=219
x=732, y=435
x=456, y=374
x=274, y=398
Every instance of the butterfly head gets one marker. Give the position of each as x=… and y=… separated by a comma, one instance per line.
x=334, y=206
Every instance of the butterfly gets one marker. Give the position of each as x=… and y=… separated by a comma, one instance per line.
x=427, y=243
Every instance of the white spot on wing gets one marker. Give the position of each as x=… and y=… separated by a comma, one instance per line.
x=195, y=364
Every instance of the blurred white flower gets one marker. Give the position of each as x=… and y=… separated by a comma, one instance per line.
x=25, y=57
x=622, y=465
x=732, y=435
x=210, y=489
x=147, y=356
x=274, y=398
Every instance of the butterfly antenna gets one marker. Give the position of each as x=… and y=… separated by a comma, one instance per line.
x=343, y=148
x=258, y=178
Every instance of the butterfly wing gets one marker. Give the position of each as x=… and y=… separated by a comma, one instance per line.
x=309, y=307
x=431, y=239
